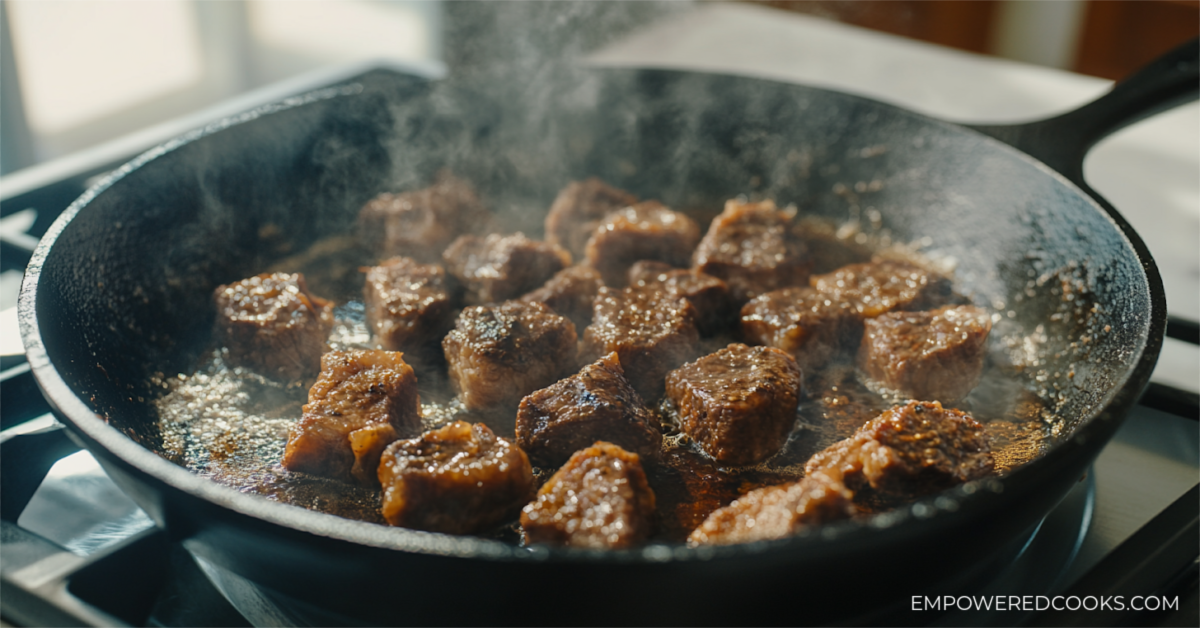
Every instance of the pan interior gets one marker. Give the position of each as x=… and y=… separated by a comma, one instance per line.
x=124, y=300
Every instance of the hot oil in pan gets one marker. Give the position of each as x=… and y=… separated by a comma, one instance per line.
x=230, y=425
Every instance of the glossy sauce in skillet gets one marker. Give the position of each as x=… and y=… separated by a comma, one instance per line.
x=230, y=425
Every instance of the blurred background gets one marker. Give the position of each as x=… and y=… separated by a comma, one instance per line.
x=76, y=73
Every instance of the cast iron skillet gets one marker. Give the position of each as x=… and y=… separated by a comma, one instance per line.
x=120, y=289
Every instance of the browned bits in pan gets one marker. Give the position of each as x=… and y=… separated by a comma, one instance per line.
x=498, y=267
x=272, y=324
x=577, y=211
x=926, y=355
x=570, y=292
x=752, y=248
x=408, y=305
x=710, y=296
x=599, y=499
x=595, y=404
x=776, y=512
x=909, y=450
x=738, y=404
x=651, y=331
x=497, y=354
x=420, y=224
x=460, y=479
x=647, y=230
x=880, y=287
x=813, y=327
x=362, y=401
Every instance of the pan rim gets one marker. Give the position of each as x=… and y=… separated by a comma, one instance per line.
x=962, y=498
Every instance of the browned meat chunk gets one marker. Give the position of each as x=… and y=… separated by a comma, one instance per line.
x=910, y=450
x=752, y=248
x=600, y=499
x=813, y=327
x=570, y=292
x=648, y=230
x=651, y=332
x=421, y=223
x=738, y=404
x=578, y=210
x=825, y=249
x=272, y=324
x=362, y=401
x=498, y=267
x=499, y=353
x=710, y=296
x=408, y=305
x=926, y=355
x=460, y=479
x=885, y=286
x=776, y=512
x=595, y=404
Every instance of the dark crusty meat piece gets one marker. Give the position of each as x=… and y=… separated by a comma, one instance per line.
x=813, y=327
x=776, y=512
x=647, y=230
x=738, y=404
x=926, y=355
x=751, y=247
x=570, y=292
x=272, y=324
x=577, y=210
x=419, y=224
x=908, y=451
x=460, y=479
x=600, y=499
x=595, y=404
x=824, y=249
x=715, y=309
x=884, y=286
x=408, y=305
x=362, y=401
x=651, y=331
x=497, y=354
x=501, y=267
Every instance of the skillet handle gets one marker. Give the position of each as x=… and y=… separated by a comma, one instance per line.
x=1062, y=142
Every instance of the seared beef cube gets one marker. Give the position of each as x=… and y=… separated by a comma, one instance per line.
x=910, y=450
x=709, y=295
x=595, y=404
x=498, y=267
x=272, y=324
x=776, y=512
x=879, y=287
x=460, y=479
x=577, y=211
x=362, y=401
x=738, y=404
x=926, y=355
x=751, y=247
x=570, y=292
x=651, y=332
x=421, y=223
x=499, y=353
x=600, y=500
x=408, y=305
x=813, y=327
x=648, y=230
x=825, y=250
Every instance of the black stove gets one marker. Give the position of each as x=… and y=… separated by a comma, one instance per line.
x=75, y=550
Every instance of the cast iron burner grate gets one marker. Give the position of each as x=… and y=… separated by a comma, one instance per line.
x=131, y=573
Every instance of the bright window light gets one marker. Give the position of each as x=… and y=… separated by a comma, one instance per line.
x=345, y=29
x=80, y=60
